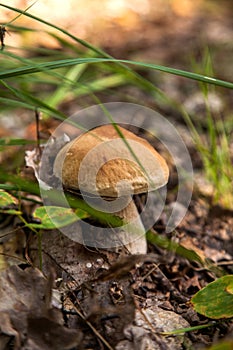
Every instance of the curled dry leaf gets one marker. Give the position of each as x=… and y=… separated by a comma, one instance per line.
x=33, y=160
x=27, y=315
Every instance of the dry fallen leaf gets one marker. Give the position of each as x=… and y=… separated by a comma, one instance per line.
x=125, y=264
x=27, y=315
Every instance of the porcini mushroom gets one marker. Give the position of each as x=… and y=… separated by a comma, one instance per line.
x=100, y=162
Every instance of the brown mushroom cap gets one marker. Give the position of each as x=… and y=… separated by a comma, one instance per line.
x=118, y=169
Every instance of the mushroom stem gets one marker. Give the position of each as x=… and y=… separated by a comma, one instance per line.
x=131, y=236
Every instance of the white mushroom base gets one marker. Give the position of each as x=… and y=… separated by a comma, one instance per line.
x=131, y=237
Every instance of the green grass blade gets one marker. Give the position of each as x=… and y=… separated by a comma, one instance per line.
x=9, y=102
x=72, y=75
x=23, y=12
x=20, y=184
x=16, y=142
x=137, y=77
x=189, y=254
x=188, y=329
x=92, y=48
x=33, y=101
x=73, y=61
x=101, y=84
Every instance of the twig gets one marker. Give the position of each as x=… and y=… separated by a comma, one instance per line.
x=92, y=328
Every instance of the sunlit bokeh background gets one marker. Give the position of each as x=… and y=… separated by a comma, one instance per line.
x=114, y=24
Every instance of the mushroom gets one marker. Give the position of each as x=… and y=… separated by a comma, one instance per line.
x=102, y=163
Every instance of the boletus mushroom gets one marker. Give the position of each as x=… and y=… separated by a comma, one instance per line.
x=103, y=163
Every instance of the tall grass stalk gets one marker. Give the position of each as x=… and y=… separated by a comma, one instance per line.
x=214, y=143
